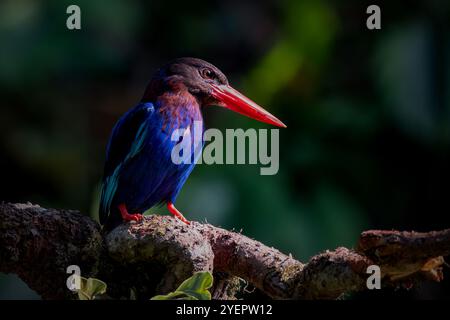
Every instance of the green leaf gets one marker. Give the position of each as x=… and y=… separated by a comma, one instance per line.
x=198, y=285
x=194, y=288
x=177, y=295
x=89, y=288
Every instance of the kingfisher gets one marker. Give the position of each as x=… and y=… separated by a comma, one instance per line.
x=139, y=172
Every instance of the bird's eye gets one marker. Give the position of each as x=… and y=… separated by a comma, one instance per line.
x=207, y=73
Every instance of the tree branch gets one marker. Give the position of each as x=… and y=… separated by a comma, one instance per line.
x=155, y=256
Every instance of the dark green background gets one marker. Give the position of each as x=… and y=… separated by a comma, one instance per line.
x=368, y=112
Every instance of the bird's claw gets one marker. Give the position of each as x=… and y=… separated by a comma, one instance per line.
x=129, y=217
x=183, y=219
x=177, y=214
x=134, y=217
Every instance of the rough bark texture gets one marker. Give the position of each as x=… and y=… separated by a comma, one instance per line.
x=39, y=244
x=156, y=255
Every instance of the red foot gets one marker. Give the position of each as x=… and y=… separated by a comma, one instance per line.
x=176, y=213
x=129, y=217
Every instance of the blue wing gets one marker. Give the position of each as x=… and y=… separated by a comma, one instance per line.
x=139, y=170
x=126, y=141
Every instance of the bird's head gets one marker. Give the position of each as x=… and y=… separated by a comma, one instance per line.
x=209, y=86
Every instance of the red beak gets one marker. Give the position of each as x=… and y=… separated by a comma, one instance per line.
x=236, y=101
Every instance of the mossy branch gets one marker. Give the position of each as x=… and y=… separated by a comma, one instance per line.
x=156, y=255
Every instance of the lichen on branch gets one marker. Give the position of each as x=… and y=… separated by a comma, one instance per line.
x=157, y=254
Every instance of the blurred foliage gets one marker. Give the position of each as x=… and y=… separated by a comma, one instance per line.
x=368, y=112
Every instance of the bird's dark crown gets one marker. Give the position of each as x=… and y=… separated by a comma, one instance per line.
x=193, y=74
